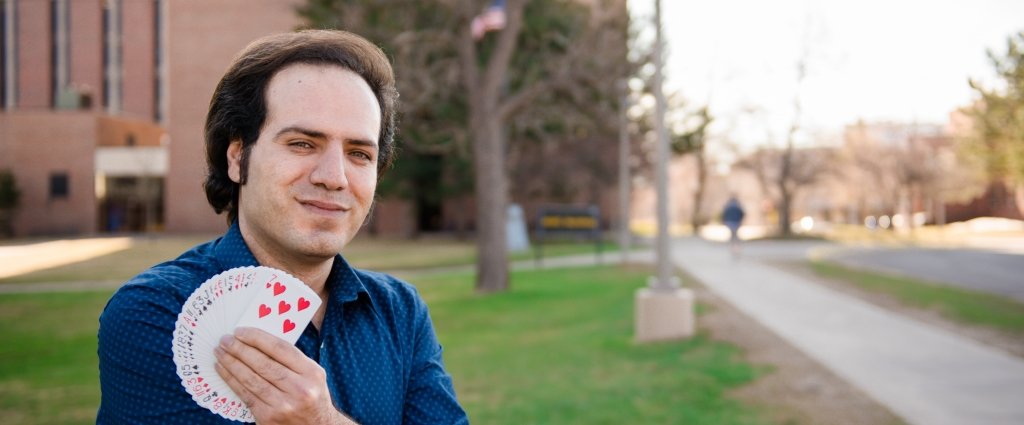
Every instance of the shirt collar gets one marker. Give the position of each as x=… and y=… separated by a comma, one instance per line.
x=231, y=251
x=343, y=282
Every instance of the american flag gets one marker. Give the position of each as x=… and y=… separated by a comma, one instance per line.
x=492, y=19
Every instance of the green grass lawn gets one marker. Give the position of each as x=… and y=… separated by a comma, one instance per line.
x=48, y=364
x=966, y=306
x=557, y=349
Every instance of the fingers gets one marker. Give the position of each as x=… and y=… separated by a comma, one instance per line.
x=275, y=348
x=248, y=396
x=249, y=385
x=275, y=379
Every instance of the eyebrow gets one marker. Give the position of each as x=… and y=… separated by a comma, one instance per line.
x=315, y=134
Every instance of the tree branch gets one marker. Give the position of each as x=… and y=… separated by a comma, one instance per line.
x=516, y=102
x=497, y=66
x=467, y=50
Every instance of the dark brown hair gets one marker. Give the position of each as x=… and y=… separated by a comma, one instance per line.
x=238, y=108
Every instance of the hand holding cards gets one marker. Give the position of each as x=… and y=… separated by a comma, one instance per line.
x=258, y=297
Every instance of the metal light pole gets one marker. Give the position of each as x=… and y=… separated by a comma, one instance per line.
x=664, y=311
x=665, y=279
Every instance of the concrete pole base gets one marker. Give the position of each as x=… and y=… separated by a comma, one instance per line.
x=664, y=314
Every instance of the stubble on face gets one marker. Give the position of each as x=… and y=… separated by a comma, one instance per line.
x=312, y=172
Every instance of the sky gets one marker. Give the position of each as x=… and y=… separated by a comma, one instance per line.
x=876, y=60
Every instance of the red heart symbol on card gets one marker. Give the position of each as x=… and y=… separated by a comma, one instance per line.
x=283, y=306
x=303, y=303
x=288, y=325
x=268, y=284
x=200, y=379
x=278, y=288
x=264, y=310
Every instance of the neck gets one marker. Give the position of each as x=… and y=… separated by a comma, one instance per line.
x=311, y=271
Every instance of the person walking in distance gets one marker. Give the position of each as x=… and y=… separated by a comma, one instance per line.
x=732, y=217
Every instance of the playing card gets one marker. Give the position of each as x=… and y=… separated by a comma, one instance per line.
x=216, y=308
x=282, y=307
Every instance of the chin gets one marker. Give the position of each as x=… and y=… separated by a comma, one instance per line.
x=321, y=245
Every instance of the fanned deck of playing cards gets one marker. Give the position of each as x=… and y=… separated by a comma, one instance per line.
x=259, y=297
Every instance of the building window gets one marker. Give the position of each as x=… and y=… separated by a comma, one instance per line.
x=112, y=56
x=59, y=57
x=58, y=186
x=8, y=53
x=3, y=54
x=158, y=62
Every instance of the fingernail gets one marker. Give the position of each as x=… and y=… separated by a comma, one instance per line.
x=218, y=352
x=226, y=341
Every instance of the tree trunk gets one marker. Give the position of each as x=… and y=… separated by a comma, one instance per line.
x=1018, y=197
x=785, y=203
x=492, y=199
x=785, y=193
x=484, y=89
x=698, y=196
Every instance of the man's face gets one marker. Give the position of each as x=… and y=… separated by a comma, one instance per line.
x=313, y=171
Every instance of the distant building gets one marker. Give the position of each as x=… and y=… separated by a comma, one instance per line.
x=81, y=100
x=102, y=107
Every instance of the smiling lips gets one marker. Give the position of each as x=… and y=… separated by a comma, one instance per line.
x=324, y=206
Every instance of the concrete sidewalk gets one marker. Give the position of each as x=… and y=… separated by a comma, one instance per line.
x=923, y=374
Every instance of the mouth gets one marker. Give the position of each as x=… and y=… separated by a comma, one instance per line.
x=324, y=207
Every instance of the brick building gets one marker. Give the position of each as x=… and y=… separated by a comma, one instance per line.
x=102, y=106
x=80, y=92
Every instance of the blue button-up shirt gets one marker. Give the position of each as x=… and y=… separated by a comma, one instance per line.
x=376, y=343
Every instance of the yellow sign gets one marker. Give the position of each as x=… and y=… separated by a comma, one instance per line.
x=568, y=222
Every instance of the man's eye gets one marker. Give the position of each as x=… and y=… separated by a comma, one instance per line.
x=362, y=155
x=301, y=144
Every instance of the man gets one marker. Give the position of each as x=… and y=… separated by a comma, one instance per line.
x=299, y=130
x=732, y=217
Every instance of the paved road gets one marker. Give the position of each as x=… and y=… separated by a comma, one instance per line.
x=923, y=374
x=995, y=272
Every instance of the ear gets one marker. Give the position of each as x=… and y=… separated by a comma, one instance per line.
x=234, y=155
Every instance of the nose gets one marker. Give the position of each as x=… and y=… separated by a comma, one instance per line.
x=329, y=170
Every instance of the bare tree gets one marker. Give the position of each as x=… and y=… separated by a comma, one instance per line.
x=806, y=167
x=689, y=136
x=894, y=168
x=493, y=104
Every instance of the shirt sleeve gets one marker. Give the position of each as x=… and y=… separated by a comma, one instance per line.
x=430, y=398
x=138, y=380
